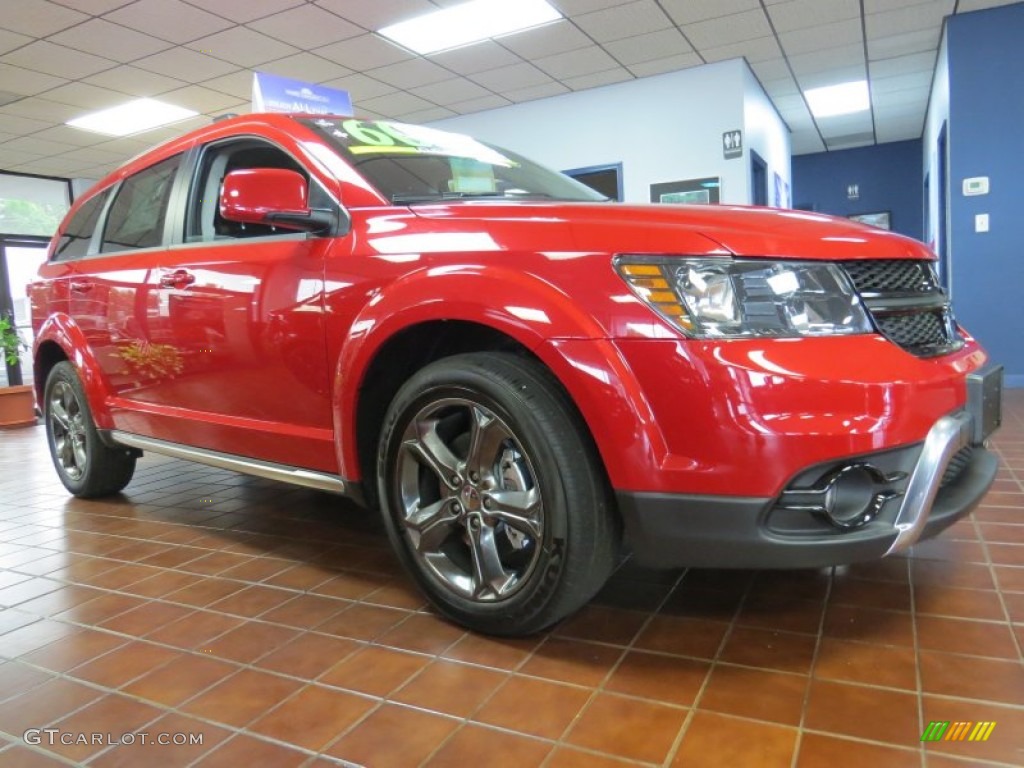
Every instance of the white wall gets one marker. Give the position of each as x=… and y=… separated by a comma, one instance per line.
x=938, y=115
x=662, y=128
x=766, y=133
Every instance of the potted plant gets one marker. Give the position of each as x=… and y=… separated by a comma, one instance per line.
x=17, y=402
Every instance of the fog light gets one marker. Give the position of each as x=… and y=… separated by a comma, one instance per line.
x=846, y=498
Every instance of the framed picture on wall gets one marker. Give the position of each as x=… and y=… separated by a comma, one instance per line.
x=606, y=179
x=692, y=191
x=881, y=219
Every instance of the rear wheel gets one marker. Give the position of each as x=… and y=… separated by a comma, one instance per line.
x=493, y=495
x=85, y=464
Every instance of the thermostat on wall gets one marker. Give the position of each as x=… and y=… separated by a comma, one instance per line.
x=977, y=185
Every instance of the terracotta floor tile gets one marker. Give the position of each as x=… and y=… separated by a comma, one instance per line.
x=123, y=664
x=17, y=756
x=570, y=661
x=362, y=622
x=637, y=730
x=601, y=624
x=101, y=608
x=683, y=636
x=660, y=678
x=781, y=613
x=977, y=638
x=245, y=750
x=305, y=611
x=397, y=594
x=252, y=601
x=214, y=563
x=1003, y=533
x=969, y=677
x=17, y=678
x=938, y=573
x=535, y=707
x=309, y=655
x=248, y=642
x=497, y=652
x=569, y=757
x=717, y=741
x=393, y=735
x=66, y=653
x=822, y=751
x=450, y=688
x=862, y=712
x=32, y=637
x=140, y=621
x=1010, y=577
x=868, y=664
x=425, y=633
x=783, y=651
x=870, y=594
x=194, y=630
x=313, y=717
x=760, y=694
x=110, y=714
x=179, y=680
x=166, y=755
x=867, y=625
x=958, y=603
x=631, y=595
x=503, y=750
x=241, y=698
x=350, y=586
x=702, y=603
x=60, y=600
x=374, y=670
x=27, y=590
x=256, y=569
x=44, y=704
x=163, y=583
x=801, y=585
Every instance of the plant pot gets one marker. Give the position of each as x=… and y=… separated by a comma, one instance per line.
x=17, y=406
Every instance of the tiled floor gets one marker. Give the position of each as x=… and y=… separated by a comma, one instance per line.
x=274, y=624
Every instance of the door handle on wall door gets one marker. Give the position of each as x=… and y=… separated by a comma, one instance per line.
x=179, y=278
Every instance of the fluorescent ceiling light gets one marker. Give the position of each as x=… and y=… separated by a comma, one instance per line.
x=132, y=117
x=469, y=23
x=842, y=99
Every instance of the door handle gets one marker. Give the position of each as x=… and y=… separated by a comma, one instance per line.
x=179, y=278
x=81, y=286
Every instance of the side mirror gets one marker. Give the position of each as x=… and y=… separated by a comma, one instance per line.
x=273, y=196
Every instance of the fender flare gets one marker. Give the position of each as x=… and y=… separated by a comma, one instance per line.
x=62, y=330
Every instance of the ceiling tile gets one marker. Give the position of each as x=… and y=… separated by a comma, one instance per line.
x=668, y=64
x=476, y=58
x=456, y=90
x=596, y=79
x=903, y=44
x=771, y=69
x=902, y=65
x=908, y=82
x=101, y=38
x=426, y=115
x=691, y=11
x=541, y=91
x=41, y=109
x=38, y=18
x=93, y=7
x=584, y=61
x=822, y=37
x=199, y=99
x=26, y=81
x=363, y=52
x=169, y=20
x=879, y=6
x=134, y=81
x=375, y=14
x=576, y=7
x=43, y=56
x=361, y=87
x=237, y=84
x=908, y=18
x=759, y=49
x=511, y=78
x=805, y=144
x=11, y=40
x=241, y=46
x=816, y=61
x=802, y=14
x=398, y=103
x=86, y=96
x=65, y=134
x=185, y=64
x=36, y=146
x=546, y=40
x=21, y=126
x=246, y=10
x=9, y=159
x=748, y=25
x=653, y=45
x=624, y=20
x=785, y=86
x=410, y=74
x=895, y=101
x=307, y=27
x=307, y=67
x=831, y=76
x=966, y=6
x=492, y=101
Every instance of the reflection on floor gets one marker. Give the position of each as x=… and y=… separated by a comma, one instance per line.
x=274, y=624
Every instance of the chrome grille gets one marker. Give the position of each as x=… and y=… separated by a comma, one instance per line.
x=906, y=304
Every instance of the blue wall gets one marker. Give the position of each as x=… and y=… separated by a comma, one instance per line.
x=986, y=112
x=889, y=176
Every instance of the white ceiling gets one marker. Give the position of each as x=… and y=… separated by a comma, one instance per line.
x=61, y=58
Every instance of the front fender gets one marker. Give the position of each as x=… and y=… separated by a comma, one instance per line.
x=61, y=329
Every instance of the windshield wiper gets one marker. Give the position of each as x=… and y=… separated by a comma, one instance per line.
x=441, y=197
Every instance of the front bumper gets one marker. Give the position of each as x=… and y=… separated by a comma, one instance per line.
x=927, y=487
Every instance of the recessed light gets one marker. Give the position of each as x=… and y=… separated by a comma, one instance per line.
x=132, y=117
x=468, y=23
x=842, y=99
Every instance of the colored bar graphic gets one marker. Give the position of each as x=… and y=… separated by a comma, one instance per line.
x=939, y=730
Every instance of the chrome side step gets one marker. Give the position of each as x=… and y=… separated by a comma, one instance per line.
x=308, y=478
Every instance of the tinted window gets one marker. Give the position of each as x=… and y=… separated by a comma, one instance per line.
x=137, y=216
x=74, y=242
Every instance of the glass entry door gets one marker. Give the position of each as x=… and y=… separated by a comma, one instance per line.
x=20, y=263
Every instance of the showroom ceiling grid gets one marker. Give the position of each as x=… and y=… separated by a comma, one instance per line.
x=62, y=58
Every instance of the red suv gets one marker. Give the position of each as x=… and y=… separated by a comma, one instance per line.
x=521, y=375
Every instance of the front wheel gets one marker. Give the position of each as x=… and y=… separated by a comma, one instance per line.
x=493, y=494
x=85, y=464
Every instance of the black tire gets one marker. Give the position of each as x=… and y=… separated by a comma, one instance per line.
x=85, y=464
x=523, y=532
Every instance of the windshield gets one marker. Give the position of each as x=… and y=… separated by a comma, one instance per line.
x=411, y=164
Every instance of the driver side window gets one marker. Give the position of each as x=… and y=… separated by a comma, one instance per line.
x=204, y=222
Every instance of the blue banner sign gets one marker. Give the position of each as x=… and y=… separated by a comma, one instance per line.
x=273, y=93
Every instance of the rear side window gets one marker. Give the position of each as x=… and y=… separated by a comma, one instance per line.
x=74, y=242
x=138, y=213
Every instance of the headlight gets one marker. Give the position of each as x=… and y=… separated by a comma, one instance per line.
x=736, y=298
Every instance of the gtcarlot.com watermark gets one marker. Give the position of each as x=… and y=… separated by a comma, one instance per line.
x=50, y=737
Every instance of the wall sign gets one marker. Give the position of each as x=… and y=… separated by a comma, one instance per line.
x=273, y=93
x=732, y=144
x=688, y=191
